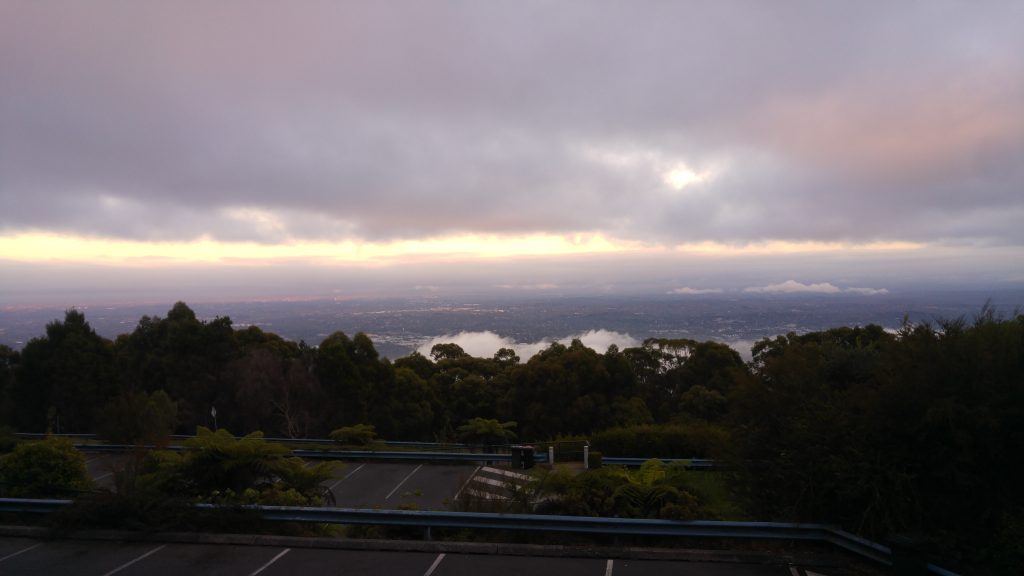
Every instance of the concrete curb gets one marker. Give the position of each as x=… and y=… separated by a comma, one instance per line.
x=493, y=548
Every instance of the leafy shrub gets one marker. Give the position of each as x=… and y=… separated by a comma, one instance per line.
x=217, y=467
x=650, y=492
x=690, y=440
x=358, y=435
x=49, y=468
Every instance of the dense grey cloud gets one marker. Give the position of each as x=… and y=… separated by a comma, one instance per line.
x=865, y=121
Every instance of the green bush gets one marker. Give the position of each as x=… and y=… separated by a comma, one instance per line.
x=46, y=469
x=690, y=440
x=358, y=435
x=614, y=491
x=217, y=467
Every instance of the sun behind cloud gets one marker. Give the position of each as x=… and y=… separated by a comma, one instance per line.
x=681, y=176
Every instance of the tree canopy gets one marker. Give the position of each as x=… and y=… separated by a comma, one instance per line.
x=878, y=431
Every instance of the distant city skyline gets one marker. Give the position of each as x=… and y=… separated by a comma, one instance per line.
x=247, y=150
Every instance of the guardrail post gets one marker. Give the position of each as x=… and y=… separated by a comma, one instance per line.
x=429, y=538
x=551, y=454
x=586, y=456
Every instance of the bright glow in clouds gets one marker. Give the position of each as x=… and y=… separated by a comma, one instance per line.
x=677, y=175
x=485, y=344
x=36, y=247
x=44, y=247
x=680, y=177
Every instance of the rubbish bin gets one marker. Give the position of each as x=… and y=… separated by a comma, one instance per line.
x=528, y=459
x=522, y=457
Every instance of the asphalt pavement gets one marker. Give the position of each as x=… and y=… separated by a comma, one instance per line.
x=379, y=485
x=32, y=557
x=390, y=485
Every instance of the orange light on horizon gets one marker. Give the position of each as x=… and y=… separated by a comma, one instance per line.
x=56, y=248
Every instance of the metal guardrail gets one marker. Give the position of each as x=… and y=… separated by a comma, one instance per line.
x=690, y=463
x=332, y=454
x=324, y=441
x=541, y=523
x=541, y=457
x=429, y=456
x=115, y=448
x=32, y=505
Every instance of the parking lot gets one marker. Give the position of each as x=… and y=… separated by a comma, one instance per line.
x=356, y=484
x=389, y=485
x=30, y=557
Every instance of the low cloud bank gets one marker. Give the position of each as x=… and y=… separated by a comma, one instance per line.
x=688, y=290
x=794, y=287
x=867, y=291
x=743, y=347
x=485, y=344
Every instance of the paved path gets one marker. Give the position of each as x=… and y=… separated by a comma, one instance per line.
x=101, y=468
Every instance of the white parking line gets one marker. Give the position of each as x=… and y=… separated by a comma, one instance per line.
x=98, y=478
x=22, y=551
x=608, y=567
x=272, y=560
x=139, y=559
x=509, y=473
x=345, y=477
x=466, y=483
x=395, y=489
x=493, y=482
x=437, y=562
x=794, y=571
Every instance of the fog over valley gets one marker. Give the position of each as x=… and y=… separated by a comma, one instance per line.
x=528, y=324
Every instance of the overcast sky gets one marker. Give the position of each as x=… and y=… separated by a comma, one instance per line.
x=749, y=146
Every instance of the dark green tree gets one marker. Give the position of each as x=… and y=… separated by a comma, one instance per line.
x=138, y=418
x=9, y=360
x=187, y=358
x=340, y=370
x=63, y=377
x=449, y=351
x=487, y=432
